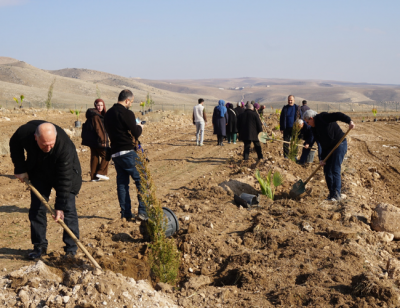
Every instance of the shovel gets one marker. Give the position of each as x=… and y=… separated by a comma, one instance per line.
x=263, y=138
x=300, y=187
x=62, y=223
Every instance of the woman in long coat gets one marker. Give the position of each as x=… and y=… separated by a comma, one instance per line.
x=95, y=137
x=220, y=121
x=231, y=128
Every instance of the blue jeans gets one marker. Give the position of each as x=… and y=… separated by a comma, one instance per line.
x=125, y=166
x=332, y=170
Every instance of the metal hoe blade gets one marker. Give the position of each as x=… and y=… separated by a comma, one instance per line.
x=298, y=189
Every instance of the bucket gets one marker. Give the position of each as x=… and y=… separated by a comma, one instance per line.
x=77, y=123
x=171, y=227
x=172, y=223
x=310, y=157
x=250, y=199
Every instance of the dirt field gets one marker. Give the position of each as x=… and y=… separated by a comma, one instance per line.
x=286, y=253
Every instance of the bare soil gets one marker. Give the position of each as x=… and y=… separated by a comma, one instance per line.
x=284, y=253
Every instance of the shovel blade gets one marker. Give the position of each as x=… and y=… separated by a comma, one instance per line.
x=263, y=137
x=298, y=189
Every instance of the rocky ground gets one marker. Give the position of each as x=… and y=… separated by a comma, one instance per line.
x=284, y=253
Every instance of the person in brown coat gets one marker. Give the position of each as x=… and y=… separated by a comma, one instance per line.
x=95, y=136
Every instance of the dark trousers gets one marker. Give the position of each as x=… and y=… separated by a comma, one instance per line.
x=304, y=155
x=257, y=147
x=98, y=163
x=38, y=219
x=125, y=166
x=332, y=170
x=287, y=134
x=220, y=139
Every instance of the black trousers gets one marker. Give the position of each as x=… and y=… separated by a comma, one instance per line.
x=287, y=134
x=38, y=219
x=257, y=147
x=220, y=139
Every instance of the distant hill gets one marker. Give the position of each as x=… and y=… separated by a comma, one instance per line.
x=81, y=86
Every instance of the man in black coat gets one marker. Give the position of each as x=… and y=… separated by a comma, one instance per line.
x=51, y=162
x=328, y=133
x=249, y=126
x=289, y=114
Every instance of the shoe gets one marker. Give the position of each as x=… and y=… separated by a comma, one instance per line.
x=102, y=177
x=234, y=143
x=197, y=143
x=221, y=144
x=70, y=255
x=95, y=180
x=229, y=142
x=142, y=216
x=201, y=144
x=37, y=253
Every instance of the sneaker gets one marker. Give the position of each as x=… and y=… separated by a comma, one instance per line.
x=229, y=142
x=234, y=143
x=142, y=216
x=102, y=177
x=197, y=143
x=95, y=180
x=37, y=253
x=201, y=144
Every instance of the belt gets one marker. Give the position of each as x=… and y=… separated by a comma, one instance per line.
x=120, y=153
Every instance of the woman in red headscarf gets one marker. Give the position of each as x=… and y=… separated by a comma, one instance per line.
x=94, y=135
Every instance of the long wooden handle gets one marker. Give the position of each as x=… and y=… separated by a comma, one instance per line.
x=326, y=158
x=62, y=223
x=299, y=145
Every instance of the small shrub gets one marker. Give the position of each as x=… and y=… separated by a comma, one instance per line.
x=19, y=102
x=50, y=94
x=278, y=127
x=294, y=140
x=269, y=183
x=164, y=255
x=374, y=111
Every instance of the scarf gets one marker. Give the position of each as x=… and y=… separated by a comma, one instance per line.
x=221, y=108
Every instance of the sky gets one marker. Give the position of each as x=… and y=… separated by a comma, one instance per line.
x=356, y=41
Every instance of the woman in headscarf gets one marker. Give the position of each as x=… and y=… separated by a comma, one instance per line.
x=231, y=128
x=220, y=121
x=95, y=137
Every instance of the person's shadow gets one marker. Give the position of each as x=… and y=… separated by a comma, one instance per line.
x=10, y=253
x=13, y=209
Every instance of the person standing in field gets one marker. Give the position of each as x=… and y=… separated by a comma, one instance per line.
x=240, y=108
x=231, y=128
x=328, y=133
x=51, y=161
x=94, y=136
x=200, y=120
x=124, y=133
x=289, y=114
x=249, y=126
x=220, y=121
x=304, y=108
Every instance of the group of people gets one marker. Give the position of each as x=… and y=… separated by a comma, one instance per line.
x=244, y=123
x=51, y=161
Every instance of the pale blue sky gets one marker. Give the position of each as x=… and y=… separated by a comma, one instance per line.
x=348, y=40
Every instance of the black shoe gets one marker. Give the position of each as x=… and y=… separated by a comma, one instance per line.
x=70, y=254
x=37, y=253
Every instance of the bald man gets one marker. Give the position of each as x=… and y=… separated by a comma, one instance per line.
x=51, y=162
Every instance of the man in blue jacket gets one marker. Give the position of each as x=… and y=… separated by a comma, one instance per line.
x=289, y=114
x=328, y=133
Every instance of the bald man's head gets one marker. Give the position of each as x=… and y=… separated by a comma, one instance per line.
x=45, y=136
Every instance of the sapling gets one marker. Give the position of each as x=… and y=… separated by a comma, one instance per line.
x=19, y=102
x=50, y=94
x=164, y=256
x=75, y=112
x=269, y=183
x=294, y=140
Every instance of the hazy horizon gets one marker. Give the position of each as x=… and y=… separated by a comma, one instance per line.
x=353, y=41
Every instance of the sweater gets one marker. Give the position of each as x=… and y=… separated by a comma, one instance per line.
x=327, y=132
x=288, y=116
x=59, y=168
x=121, y=127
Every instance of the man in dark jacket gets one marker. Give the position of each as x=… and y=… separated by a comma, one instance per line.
x=289, y=114
x=328, y=133
x=124, y=135
x=304, y=108
x=249, y=126
x=308, y=137
x=51, y=162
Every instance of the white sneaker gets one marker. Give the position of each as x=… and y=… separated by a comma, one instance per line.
x=95, y=180
x=102, y=177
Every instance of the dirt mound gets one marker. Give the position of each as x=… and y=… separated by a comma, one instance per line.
x=37, y=286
